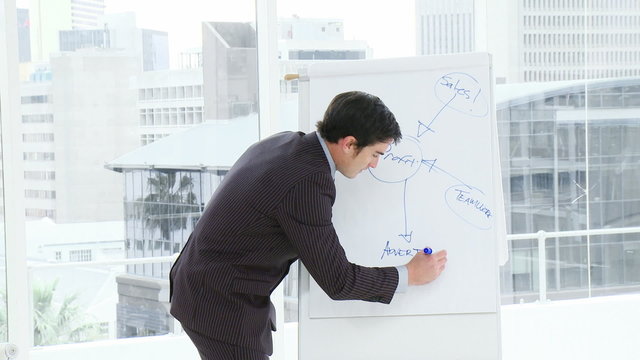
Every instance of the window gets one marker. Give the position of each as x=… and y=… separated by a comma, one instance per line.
x=80, y=255
x=569, y=163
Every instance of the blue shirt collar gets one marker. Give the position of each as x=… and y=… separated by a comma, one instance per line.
x=332, y=163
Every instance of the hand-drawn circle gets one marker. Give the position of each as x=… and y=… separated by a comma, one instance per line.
x=470, y=204
x=463, y=93
x=400, y=161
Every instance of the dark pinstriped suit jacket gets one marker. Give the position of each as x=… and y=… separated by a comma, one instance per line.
x=273, y=207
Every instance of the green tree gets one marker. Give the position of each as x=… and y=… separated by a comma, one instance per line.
x=168, y=203
x=60, y=323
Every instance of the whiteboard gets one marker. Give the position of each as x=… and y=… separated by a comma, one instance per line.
x=439, y=187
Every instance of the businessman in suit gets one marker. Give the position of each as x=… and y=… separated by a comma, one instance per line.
x=272, y=208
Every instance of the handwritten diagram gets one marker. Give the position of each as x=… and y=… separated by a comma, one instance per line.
x=401, y=162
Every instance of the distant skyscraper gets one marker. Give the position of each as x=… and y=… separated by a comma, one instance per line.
x=24, y=44
x=444, y=26
x=119, y=31
x=72, y=40
x=48, y=17
x=230, y=69
x=71, y=124
x=566, y=40
x=155, y=50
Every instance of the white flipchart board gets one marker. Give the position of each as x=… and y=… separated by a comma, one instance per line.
x=439, y=187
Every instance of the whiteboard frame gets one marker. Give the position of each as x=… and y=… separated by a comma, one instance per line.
x=436, y=336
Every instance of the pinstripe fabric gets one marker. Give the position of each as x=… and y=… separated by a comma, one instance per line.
x=273, y=207
x=211, y=349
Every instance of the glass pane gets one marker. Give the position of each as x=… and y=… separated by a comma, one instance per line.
x=3, y=262
x=612, y=121
x=131, y=114
x=316, y=31
x=319, y=31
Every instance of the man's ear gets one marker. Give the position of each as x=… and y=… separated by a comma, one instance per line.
x=348, y=144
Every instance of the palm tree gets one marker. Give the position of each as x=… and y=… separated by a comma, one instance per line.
x=54, y=324
x=60, y=324
x=168, y=203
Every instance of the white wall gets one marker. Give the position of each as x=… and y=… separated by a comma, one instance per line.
x=586, y=329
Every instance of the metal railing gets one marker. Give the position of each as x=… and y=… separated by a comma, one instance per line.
x=541, y=237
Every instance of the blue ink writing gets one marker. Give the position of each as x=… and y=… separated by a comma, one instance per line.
x=405, y=159
x=463, y=196
x=388, y=251
x=447, y=82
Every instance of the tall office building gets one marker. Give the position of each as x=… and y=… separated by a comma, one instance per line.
x=555, y=45
x=445, y=26
x=24, y=29
x=70, y=128
x=546, y=40
x=230, y=69
x=119, y=31
x=47, y=17
x=561, y=173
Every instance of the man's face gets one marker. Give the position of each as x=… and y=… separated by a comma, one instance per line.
x=366, y=158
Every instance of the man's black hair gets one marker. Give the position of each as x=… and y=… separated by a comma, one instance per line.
x=361, y=115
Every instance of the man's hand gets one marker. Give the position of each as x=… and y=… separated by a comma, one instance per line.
x=425, y=268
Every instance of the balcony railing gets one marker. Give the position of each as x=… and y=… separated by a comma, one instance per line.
x=291, y=299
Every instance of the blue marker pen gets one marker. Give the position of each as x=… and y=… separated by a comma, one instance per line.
x=428, y=250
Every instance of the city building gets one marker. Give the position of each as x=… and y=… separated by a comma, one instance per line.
x=47, y=17
x=70, y=128
x=167, y=185
x=303, y=41
x=552, y=40
x=571, y=161
x=445, y=27
x=537, y=40
x=230, y=69
x=120, y=31
x=93, y=290
x=168, y=102
x=24, y=44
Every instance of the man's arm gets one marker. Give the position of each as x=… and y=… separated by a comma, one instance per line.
x=305, y=216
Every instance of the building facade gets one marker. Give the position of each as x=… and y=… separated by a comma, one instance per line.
x=167, y=186
x=168, y=102
x=230, y=69
x=69, y=131
x=303, y=41
x=553, y=39
x=445, y=27
x=570, y=161
x=47, y=17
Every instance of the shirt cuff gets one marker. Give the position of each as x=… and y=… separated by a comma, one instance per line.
x=403, y=279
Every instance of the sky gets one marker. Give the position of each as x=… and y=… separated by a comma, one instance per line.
x=388, y=27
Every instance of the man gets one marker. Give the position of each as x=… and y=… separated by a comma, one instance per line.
x=273, y=207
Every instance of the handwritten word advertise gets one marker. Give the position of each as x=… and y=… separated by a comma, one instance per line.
x=389, y=251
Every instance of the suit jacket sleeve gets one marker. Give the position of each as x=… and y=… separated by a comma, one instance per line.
x=305, y=216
